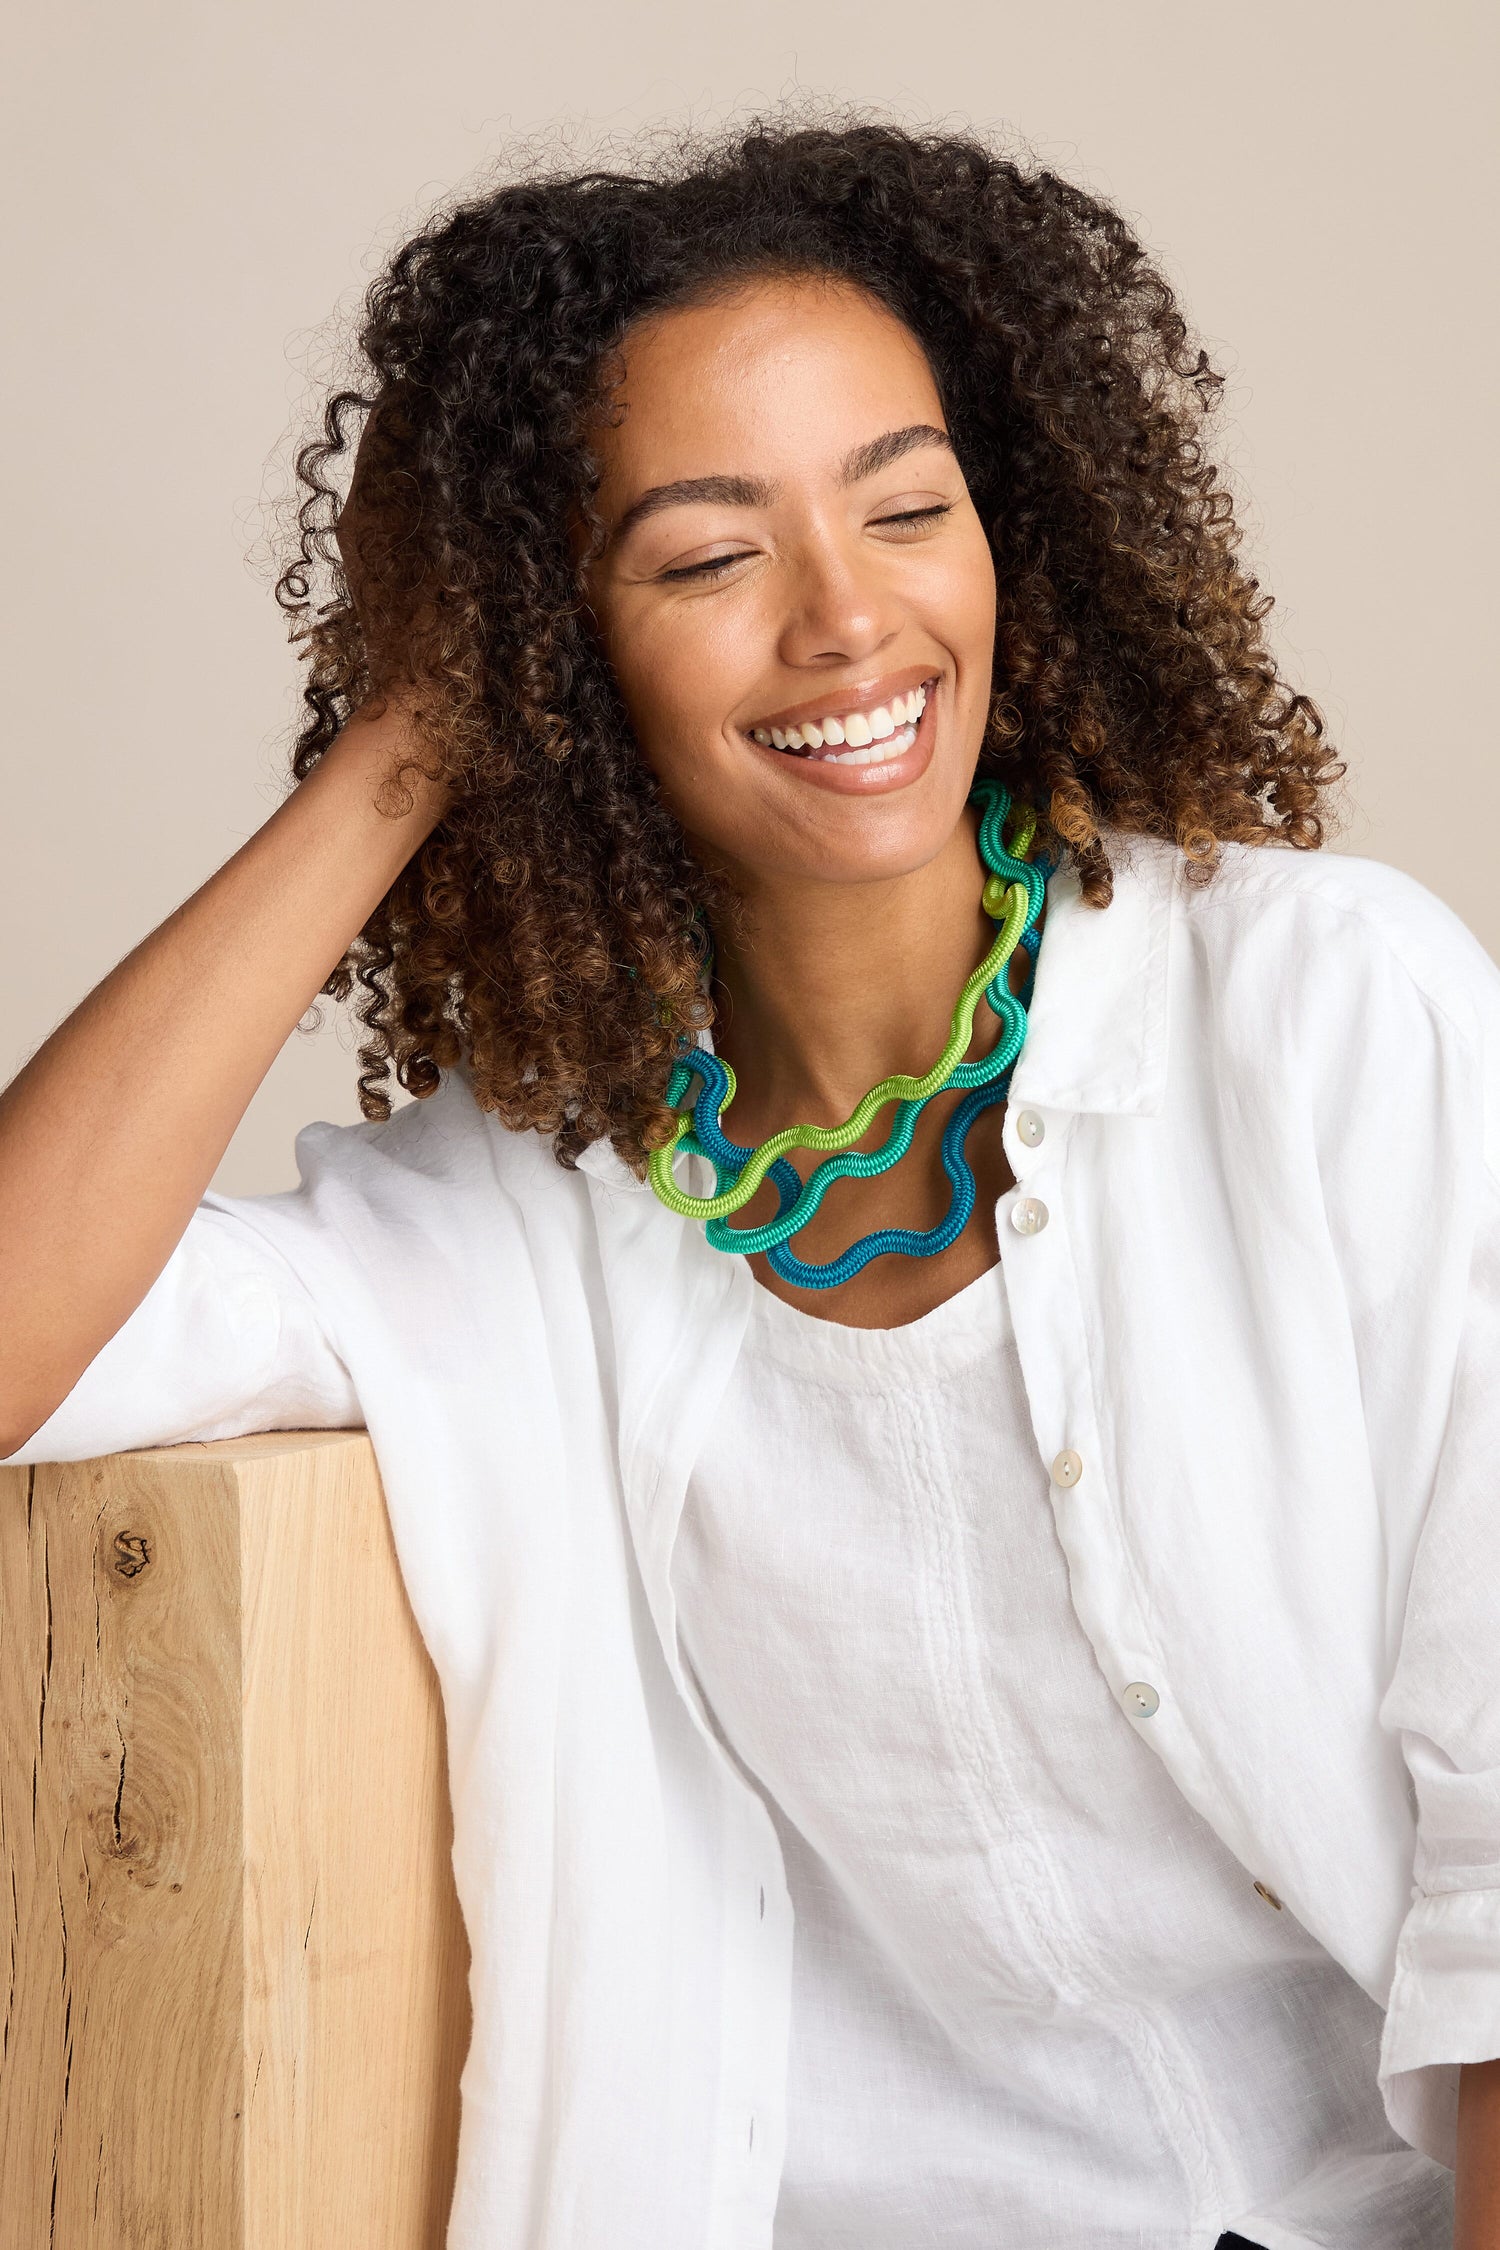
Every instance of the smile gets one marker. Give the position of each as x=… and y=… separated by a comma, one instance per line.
x=852, y=738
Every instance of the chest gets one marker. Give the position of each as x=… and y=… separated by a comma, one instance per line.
x=875, y=1601
x=916, y=1195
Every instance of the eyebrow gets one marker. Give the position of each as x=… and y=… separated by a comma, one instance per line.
x=758, y=492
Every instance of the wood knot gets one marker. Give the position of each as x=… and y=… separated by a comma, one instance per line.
x=132, y=1553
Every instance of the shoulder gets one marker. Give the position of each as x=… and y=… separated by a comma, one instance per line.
x=417, y=1213
x=1349, y=970
x=443, y=1145
x=1333, y=922
x=441, y=1179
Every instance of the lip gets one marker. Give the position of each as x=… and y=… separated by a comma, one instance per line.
x=873, y=780
x=858, y=695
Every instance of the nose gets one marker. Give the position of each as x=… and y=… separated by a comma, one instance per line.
x=839, y=609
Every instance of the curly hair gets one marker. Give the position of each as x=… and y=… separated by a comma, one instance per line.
x=551, y=933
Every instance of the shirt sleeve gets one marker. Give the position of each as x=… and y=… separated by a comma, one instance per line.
x=226, y=1341
x=1444, y=1700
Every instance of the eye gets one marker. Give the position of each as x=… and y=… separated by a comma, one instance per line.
x=933, y=513
x=712, y=567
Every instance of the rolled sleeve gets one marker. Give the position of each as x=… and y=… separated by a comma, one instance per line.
x=1444, y=1700
x=226, y=1341
x=1444, y=2011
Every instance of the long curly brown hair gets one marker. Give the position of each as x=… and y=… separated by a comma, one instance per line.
x=551, y=932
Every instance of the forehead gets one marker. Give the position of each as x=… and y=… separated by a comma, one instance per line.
x=781, y=374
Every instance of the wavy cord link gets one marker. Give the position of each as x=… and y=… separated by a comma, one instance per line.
x=1014, y=894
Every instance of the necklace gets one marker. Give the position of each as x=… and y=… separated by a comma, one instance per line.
x=1014, y=892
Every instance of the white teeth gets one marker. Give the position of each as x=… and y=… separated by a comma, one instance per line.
x=877, y=753
x=864, y=731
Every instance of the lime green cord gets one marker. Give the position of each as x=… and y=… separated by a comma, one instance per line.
x=857, y=1164
x=900, y=1087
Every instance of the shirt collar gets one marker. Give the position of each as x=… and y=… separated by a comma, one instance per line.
x=1096, y=1034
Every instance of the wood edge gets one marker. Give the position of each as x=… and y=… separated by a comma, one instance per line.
x=260, y=1445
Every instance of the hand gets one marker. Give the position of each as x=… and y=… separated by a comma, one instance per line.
x=387, y=566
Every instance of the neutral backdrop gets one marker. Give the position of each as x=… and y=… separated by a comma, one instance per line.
x=196, y=192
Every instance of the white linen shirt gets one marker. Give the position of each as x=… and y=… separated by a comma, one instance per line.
x=1035, y=2000
x=1264, y=1310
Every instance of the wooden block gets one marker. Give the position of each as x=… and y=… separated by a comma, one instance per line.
x=236, y=2006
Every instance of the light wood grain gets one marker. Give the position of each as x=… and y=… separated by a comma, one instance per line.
x=236, y=1991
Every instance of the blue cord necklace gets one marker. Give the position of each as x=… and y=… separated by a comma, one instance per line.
x=1014, y=894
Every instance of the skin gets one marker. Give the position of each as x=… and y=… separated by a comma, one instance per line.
x=830, y=576
x=860, y=894
x=113, y=1130
x=1477, y=2215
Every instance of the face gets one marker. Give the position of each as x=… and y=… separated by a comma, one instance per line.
x=796, y=594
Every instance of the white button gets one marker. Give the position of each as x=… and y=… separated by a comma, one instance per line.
x=1029, y=1128
x=1028, y=1216
x=1141, y=1698
x=1067, y=1468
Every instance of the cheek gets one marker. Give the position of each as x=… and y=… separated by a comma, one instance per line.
x=971, y=595
x=682, y=669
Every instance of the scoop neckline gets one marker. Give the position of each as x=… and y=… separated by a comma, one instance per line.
x=966, y=1325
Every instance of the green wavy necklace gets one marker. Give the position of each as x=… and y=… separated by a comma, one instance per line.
x=1013, y=897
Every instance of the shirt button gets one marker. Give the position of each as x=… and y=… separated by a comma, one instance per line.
x=1030, y=1128
x=1029, y=1216
x=1141, y=1698
x=1263, y=1890
x=1067, y=1468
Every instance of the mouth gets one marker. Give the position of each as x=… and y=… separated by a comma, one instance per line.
x=864, y=736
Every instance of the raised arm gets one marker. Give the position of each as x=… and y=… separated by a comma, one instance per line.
x=110, y=1134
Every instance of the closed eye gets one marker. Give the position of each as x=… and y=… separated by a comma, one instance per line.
x=710, y=568
x=713, y=566
x=930, y=514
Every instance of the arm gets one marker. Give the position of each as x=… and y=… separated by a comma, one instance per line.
x=1477, y=2214
x=111, y=1133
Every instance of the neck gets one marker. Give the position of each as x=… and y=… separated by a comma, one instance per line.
x=831, y=987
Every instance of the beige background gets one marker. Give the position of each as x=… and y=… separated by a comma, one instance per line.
x=192, y=191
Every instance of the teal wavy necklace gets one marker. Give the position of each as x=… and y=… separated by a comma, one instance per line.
x=1014, y=892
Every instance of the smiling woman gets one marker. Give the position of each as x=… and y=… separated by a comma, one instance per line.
x=970, y=1671
x=920, y=281
x=850, y=571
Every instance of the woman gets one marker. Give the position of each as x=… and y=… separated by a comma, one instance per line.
x=968, y=1692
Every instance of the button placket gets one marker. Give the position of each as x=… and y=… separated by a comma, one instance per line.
x=1060, y=1374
